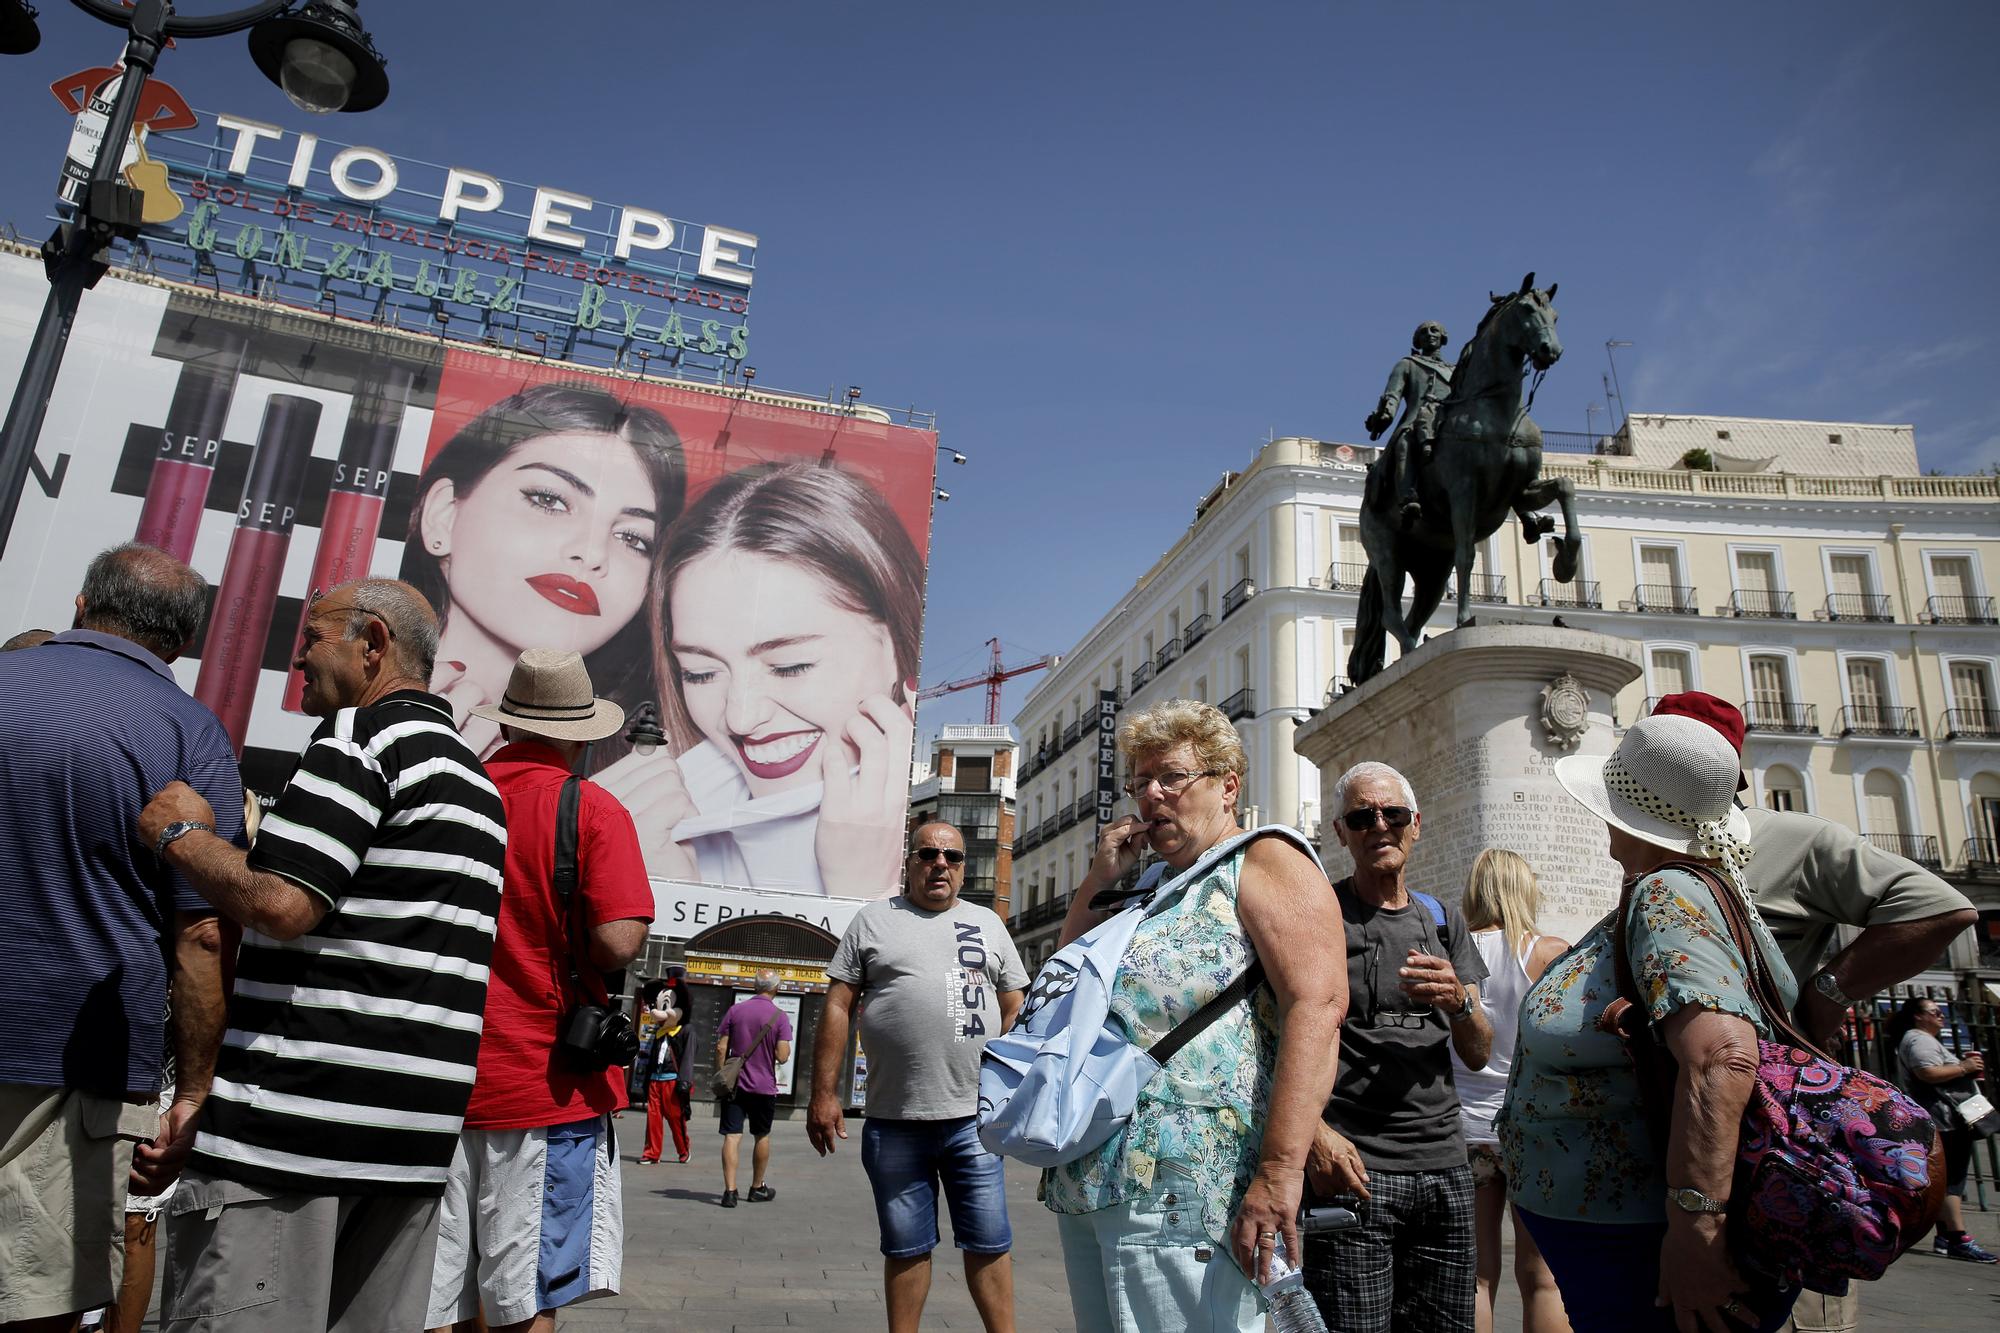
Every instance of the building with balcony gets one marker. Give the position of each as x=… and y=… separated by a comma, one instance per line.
x=969, y=782
x=1815, y=577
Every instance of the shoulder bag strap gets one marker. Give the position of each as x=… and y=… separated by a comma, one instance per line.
x=1236, y=991
x=568, y=814
x=1763, y=986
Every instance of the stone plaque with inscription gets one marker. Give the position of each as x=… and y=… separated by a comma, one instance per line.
x=1462, y=718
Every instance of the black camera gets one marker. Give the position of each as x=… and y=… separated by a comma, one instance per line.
x=595, y=1038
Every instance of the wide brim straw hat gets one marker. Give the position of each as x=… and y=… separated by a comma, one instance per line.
x=549, y=694
x=1670, y=782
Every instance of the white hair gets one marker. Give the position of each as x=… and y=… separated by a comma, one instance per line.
x=1370, y=771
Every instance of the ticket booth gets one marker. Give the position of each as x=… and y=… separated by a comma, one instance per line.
x=722, y=966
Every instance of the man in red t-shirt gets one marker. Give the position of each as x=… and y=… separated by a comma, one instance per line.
x=532, y=1217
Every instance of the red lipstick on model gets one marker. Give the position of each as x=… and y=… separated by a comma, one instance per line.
x=232, y=654
x=784, y=768
x=354, y=501
x=190, y=444
x=566, y=592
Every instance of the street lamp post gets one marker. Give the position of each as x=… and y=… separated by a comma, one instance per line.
x=78, y=254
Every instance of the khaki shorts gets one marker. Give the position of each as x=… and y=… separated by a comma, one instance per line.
x=64, y=1159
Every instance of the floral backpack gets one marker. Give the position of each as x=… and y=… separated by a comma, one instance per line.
x=1837, y=1171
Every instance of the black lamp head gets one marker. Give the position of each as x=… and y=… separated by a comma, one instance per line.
x=322, y=57
x=19, y=33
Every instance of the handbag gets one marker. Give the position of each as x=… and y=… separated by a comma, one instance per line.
x=723, y=1083
x=1067, y=1075
x=1837, y=1171
x=1976, y=1112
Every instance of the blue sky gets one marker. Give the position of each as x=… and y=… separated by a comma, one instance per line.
x=1116, y=246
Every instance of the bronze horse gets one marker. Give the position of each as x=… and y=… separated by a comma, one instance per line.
x=1488, y=461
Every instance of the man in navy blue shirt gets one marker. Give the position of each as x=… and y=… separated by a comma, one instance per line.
x=95, y=930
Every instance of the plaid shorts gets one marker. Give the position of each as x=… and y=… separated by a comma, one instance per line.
x=1409, y=1265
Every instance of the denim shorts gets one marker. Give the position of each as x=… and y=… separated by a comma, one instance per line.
x=907, y=1160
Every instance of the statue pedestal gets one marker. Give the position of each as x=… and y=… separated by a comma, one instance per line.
x=1476, y=719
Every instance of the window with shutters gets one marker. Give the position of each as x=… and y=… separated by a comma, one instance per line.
x=1882, y=795
x=1671, y=671
x=1770, y=680
x=1951, y=576
x=1784, y=789
x=1971, y=687
x=1849, y=574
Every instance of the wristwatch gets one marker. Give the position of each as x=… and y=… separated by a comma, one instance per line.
x=1464, y=1011
x=1692, y=1200
x=175, y=831
x=1824, y=983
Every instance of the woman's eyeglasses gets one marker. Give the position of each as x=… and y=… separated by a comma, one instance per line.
x=952, y=856
x=1395, y=816
x=1171, y=783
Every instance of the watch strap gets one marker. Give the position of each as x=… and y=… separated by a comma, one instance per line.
x=1824, y=983
x=175, y=831
x=1691, y=1200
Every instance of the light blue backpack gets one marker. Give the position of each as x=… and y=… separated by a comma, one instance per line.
x=1066, y=1076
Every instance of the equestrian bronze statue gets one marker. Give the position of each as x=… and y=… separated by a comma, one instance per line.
x=1463, y=457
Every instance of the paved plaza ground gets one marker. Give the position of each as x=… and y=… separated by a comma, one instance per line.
x=808, y=1259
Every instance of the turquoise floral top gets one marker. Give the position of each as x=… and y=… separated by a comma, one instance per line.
x=1573, y=1135
x=1204, y=1111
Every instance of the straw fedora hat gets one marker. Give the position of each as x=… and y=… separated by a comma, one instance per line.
x=1670, y=782
x=549, y=694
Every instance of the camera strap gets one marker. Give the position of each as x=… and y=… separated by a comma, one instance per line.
x=568, y=816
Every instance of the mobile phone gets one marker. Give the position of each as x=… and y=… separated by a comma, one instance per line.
x=1326, y=1217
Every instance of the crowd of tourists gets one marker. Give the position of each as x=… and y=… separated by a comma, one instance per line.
x=357, y=1056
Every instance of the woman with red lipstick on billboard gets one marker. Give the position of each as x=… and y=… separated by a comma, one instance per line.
x=535, y=527
x=789, y=611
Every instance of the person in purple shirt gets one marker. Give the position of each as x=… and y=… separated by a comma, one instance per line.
x=761, y=1030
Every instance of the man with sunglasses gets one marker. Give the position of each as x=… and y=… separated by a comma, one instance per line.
x=1391, y=1136
x=939, y=977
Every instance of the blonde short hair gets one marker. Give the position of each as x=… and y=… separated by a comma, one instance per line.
x=1184, y=722
x=1501, y=891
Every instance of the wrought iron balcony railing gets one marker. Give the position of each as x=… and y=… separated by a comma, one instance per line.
x=1241, y=592
x=1781, y=715
x=1974, y=724
x=1982, y=858
x=1763, y=604
x=1583, y=594
x=1169, y=653
x=1344, y=577
x=1960, y=611
x=1919, y=847
x=1878, y=720
x=1672, y=599
x=1859, y=606
x=1241, y=704
x=1140, y=675
x=1197, y=629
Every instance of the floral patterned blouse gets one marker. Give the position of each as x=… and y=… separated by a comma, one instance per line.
x=1573, y=1136
x=1204, y=1111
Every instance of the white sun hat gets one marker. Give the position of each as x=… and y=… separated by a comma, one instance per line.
x=1671, y=782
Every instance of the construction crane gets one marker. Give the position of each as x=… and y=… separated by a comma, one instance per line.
x=994, y=677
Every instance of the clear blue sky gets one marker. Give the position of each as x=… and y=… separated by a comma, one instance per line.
x=1114, y=246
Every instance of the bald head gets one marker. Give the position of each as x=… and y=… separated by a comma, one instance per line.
x=413, y=625
x=143, y=594
x=767, y=981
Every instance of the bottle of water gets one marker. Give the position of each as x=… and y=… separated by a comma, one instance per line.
x=1292, y=1308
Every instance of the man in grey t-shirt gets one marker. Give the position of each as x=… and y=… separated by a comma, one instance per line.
x=938, y=977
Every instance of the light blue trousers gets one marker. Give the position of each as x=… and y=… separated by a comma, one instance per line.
x=1150, y=1264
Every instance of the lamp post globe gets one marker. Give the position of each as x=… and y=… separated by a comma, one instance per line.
x=322, y=58
x=19, y=33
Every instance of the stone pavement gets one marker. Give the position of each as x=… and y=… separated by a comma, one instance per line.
x=809, y=1258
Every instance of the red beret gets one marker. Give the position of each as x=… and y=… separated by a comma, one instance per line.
x=1717, y=713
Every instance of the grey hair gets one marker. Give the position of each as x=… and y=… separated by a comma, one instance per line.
x=411, y=621
x=767, y=981
x=1369, y=770
x=141, y=593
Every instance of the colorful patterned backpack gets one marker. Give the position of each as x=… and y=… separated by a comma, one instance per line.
x=1837, y=1171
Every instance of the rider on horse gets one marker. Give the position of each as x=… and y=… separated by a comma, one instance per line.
x=1420, y=380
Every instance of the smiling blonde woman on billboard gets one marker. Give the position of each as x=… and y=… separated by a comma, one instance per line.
x=788, y=618
x=535, y=527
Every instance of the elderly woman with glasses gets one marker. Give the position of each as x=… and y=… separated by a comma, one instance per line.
x=1171, y=1222
x=1940, y=1080
x=1630, y=1213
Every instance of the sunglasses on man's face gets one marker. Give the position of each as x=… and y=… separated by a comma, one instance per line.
x=952, y=856
x=1395, y=816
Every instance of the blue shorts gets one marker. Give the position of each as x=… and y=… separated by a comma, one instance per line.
x=907, y=1160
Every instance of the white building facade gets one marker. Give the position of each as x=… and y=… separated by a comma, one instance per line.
x=1850, y=614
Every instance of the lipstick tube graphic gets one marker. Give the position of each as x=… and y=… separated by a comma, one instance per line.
x=354, y=501
x=189, y=446
x=238, y=627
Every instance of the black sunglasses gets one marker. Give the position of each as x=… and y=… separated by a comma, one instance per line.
x=1395, y=816
x=952, y=856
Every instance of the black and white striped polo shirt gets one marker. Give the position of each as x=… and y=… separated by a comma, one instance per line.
x=350, y=1053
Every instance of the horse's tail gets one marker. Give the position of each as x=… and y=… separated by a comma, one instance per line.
x=1371, y=636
